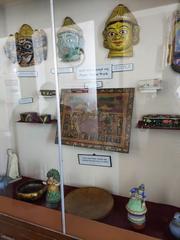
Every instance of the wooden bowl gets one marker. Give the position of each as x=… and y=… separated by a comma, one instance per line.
x=89, y=202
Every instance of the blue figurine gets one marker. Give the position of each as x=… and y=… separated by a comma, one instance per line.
x=174, y=225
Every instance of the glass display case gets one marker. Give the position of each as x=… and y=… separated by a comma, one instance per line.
x=90, y=119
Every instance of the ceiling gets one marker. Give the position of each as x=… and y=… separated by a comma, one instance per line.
x=144, y=3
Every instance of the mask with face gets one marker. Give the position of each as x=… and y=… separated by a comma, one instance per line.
x=28, y=47
x=70, y=41
x=121, y=32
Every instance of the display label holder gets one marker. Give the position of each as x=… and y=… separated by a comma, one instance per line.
x=95, y=160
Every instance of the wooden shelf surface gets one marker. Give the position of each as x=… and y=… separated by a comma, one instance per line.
x=115, y=223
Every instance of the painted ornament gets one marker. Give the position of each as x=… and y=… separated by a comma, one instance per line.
x=121, y=32
x=53, y=196
x=136, y=207
x=28, y=47
x=70, y=41
x=174, y=225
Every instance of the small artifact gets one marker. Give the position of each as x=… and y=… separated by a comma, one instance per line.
x=48, y=89
x=70, y=41
x=27, y=47
x=149, y=85
x=89, y=202
x=45, y=118
x=34, y=117
x=160, y=121
x=12, y=165
x=53, y=196
x=121, y=32
x=136, y=207
x=31, y=190
x=174, y=225
x=48, y=92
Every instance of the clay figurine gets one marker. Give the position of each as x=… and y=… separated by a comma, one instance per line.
x=70, y=41
x=121, y=32
x=174, y=225
x=53, y=193
x=136, y=207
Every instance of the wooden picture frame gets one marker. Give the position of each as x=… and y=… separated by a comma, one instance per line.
x=97, y=118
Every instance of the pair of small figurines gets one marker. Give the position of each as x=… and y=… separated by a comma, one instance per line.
x=53, y=195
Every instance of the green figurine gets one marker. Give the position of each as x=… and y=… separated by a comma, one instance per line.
x=136, y=207
x=53, y=193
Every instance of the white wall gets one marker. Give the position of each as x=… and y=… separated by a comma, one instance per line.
x=154, y=157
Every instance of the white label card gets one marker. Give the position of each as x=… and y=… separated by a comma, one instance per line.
x=98, y=84
x=104, y=72
x=27, y=74
x=123, y=67
x=95, y=160
x=26, y=100
x=62, y=70
x=100, y=72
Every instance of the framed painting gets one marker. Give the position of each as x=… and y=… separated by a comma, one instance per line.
x=97, y=118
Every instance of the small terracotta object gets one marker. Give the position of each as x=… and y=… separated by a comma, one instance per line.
x=136, y=207
x=121, y=32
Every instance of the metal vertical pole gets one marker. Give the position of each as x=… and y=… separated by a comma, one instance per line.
x=58, y=115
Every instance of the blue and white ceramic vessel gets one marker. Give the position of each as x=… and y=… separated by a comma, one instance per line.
x=4, y=180
x=174, y=225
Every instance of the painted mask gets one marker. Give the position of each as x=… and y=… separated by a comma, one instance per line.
x=121, y=32
x=70, y=41
x=27, y=47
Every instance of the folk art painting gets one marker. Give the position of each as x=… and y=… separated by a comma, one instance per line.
x=101, y=122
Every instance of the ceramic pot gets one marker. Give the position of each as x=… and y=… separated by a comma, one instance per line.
x=175, y=229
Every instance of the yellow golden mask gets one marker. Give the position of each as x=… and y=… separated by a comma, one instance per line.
x=121, y=32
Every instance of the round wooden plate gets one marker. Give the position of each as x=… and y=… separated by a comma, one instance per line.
x=89, y=202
